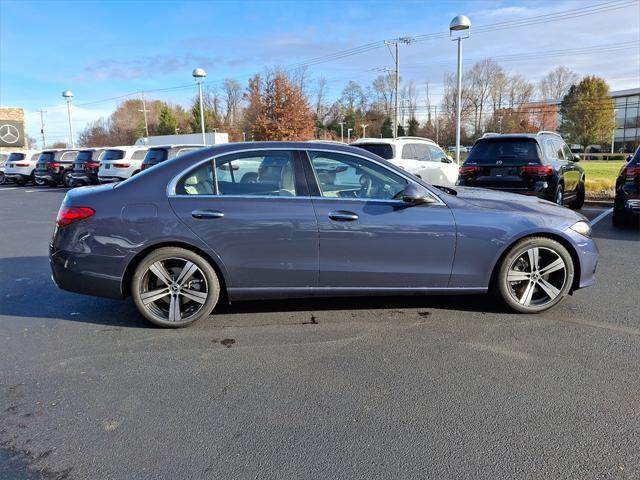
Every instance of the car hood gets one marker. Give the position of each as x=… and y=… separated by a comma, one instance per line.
x=512, y=202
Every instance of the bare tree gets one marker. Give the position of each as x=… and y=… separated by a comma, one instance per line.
x=383, y=87
x=352, y=95
x=480, y=79
x=232, y=97
x=555, y=84
x=320, y=104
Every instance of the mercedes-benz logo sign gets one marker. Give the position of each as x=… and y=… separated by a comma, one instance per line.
x=499, y=162
x=9, y=133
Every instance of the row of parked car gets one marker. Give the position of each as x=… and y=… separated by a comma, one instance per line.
x=539, y=164
x=87, y=166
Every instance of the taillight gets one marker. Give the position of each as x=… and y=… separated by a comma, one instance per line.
x=469, y=169
x=22, y=164
x=53, y=165
x=143, y=167
x=539, y=170
x=121, y=165
x=631, y=171
x=92, y=165
x=69, y=215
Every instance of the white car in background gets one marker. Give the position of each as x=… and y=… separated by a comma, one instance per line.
x=21, y=166
x=120, y=163
x=420, y=156
x=3, y=159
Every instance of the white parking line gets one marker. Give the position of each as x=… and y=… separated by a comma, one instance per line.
x=601, y=216
x=8, y=188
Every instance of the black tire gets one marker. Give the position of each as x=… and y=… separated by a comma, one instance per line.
x=579, y=200
x=205, y=285
x=21, y=183
x=531, y=294
x=67, y=181
x=3, y=179
x=558, y=196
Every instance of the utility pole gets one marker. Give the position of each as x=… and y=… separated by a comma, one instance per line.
x=397, y=42
x=144, y=111
x=341, y=131
x=44, y=144
x=437, y=124
x=364, y=130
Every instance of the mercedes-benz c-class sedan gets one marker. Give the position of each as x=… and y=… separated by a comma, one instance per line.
x=294, y=219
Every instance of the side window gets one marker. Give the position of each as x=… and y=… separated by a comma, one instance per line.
x=176, y=153
x=550, y=150
x=266, y=173
x=567, y=152
x=558, y=147
x=138, y=155
x=346, y=176
x=408, y=152
x=198, y=181
x=422, y=152
x=437, y=155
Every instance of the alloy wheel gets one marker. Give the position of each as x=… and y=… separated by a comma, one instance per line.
x=174, y=290
x=536, y=277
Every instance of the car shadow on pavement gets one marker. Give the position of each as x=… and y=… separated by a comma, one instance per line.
x=28, y=291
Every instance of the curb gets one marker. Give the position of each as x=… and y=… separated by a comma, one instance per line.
x=599, y=203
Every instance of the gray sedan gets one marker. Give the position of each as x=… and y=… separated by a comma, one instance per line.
x=292, y=219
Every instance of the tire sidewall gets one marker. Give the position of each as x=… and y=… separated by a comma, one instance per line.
x=559, y=193
x=173, y=252
x=518, y=249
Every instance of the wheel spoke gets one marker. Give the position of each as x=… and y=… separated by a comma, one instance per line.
x=153, y=295
x=189, y=269
x=534, y=256
x=161, y=272
x=194, y=295
x=554, y=266
x=517, y=276
x=174, y=309
x=551, y=291
x=525, y=299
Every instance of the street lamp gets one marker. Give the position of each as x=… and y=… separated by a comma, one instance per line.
x=198, y=75
x=68, y=95
x=364, y=130
x=349, y=130
x=459, y=30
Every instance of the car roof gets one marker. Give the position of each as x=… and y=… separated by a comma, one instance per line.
x=396, y=140
x=177, y=145
x=128, y=147
x=26, y=152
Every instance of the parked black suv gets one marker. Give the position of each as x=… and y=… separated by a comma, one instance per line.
x=626, y=207
x=86, y=165
x=159, y=154
x=531, y=164
x=55, y=166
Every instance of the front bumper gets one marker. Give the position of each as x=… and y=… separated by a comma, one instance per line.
x=588, y=255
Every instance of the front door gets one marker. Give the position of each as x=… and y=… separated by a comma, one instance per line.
x=261, y=222
x=371, y=238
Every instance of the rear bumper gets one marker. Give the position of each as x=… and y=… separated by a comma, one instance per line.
x=19, y=177
x=85, y=178
x=110, y=179
x=540, y=189
x=70, y=271
x=47, y=177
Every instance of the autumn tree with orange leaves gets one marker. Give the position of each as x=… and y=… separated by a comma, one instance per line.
x=277, y=110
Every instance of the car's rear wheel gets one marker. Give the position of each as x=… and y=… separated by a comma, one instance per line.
x=579, y=201
x=535, y=275
x=174, y=287
x=36, y=180
x=67, y=181
x=559, y=195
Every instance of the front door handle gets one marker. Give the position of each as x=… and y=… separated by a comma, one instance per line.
x=207, y=214
x=343, y=216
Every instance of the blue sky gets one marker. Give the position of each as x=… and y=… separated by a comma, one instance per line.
x=107, y=49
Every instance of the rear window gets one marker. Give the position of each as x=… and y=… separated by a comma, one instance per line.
x=15, y=157
x=113, y=155
x=509, y=152
x=46, y=157
x=83, y=156
x=384, y=150
x=155, y=155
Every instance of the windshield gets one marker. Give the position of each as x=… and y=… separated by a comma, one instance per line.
x=507, y=151
x=155, y=155
x=384, y=150
x=113, y=155
x=15, y=156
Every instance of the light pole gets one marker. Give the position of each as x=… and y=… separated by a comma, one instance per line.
x=341, y=131
x=459, y=30
x=364, y=130
x=349, y=130
x=68, y=95
x=613, y=134
x=144, y=111
x=198, y=75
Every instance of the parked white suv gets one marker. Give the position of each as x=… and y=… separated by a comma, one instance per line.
x=419, y=156
x=120, y=163
x=21, y=166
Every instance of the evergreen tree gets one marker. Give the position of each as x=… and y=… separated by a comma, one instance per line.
x=167, y=123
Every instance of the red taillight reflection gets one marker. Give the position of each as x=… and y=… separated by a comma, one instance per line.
x=540, y=170
x=121, y=165
x=69, y=215
x=92, y=165
x=631, y=171
x=53, y=165
x=22, y=164
x=469, y=169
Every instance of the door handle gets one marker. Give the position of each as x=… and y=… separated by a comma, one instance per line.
x=207, y=214
x=343, y=216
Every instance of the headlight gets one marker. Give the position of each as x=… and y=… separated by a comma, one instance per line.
x=583, y=228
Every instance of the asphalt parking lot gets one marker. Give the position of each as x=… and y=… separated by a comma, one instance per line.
x=431, y=387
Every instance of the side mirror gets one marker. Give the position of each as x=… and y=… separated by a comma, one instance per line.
x=576, y=158
x=446, y=159
x=629, y=158
x=416, y=195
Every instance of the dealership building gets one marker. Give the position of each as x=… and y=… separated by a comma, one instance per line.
x=627, y=108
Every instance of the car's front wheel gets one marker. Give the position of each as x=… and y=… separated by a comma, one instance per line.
x=174, y=287
x=579, y=200
x=536, y=274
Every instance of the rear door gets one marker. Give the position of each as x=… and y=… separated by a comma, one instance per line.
x=256, y=215
x=368, y=237
x=571, y=172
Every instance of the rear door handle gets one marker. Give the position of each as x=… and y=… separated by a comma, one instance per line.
x=343, y=216
x=207, y=214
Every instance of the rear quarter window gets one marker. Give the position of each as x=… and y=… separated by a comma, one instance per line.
x=384, y=150
x=138, y=155
x=68, y=156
